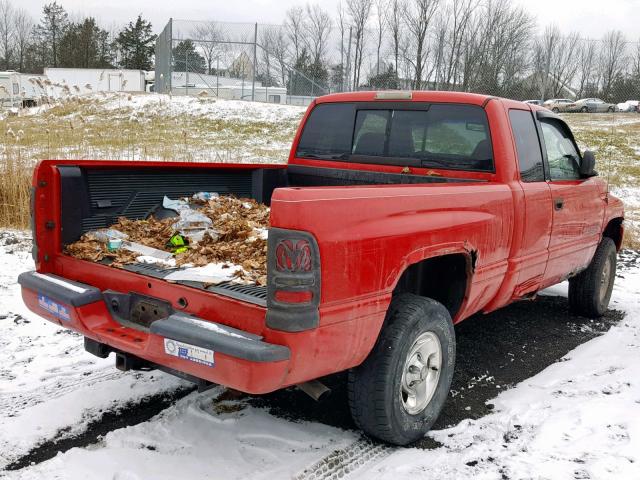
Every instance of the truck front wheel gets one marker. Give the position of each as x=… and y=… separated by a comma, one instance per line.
x=590, y=290
x=397, y=393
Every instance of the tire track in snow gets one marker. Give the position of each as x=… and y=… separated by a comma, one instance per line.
x=341, y=463
x=20, y=400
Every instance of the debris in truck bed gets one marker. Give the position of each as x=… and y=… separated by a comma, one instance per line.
x=239, y=235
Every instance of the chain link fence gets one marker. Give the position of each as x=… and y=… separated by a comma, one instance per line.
x=274, y=63
x=230, y=60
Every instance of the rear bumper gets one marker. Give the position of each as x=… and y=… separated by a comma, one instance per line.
x=240, y=360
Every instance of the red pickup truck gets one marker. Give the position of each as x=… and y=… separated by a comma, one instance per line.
x=398, y=215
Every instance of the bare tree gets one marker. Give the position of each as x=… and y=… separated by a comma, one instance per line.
x=274, y=43
x=359, y=11
x=318, y=27
x=343, y=26
x=586, y=67
x=211, y=37
x=636, y=61
x=612, y=60
x=380, y=29
x=295, y=26
x=556, y=61
x=6, y=32
x=418, y=16
x=394, y=22
x=23, y=28
x=461, y=14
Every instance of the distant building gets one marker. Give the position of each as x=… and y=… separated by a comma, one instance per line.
x=241, y=67
x=86, y=80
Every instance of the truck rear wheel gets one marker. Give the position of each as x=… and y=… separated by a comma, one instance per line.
x=590, y=290
x=397, y=393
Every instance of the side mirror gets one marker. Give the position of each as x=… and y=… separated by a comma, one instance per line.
x=588, y=165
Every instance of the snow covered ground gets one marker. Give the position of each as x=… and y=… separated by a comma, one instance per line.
x=577, y=419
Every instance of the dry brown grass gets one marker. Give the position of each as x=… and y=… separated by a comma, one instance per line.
x=83, y=128
x=15, y=185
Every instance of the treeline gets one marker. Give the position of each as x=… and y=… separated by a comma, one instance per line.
x=58, y=40
x=488, y=46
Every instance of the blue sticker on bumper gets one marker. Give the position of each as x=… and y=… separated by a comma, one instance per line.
x=53, y=307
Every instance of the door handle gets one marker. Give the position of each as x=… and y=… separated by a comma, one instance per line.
x=558, y=203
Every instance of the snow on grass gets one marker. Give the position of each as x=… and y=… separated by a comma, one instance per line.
x=579, y=418
x=47, y=381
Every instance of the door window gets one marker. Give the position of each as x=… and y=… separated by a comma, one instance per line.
x=527, y=146
x=562, y=155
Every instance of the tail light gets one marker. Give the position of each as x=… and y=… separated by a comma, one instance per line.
x=293, y=280
x=293, y=255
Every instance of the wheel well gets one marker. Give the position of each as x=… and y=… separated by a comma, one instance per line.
x=614, y=231
x=443, y=279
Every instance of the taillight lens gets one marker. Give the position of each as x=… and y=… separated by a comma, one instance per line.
x=293, y=297
x=293, y=256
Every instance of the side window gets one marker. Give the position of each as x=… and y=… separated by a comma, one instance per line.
x=371, y=132
x=327, y=132
x=563, y=158
x=527, y=146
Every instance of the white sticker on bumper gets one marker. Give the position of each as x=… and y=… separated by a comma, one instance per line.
x=189, y=352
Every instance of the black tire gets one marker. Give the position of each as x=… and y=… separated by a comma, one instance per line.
x=555, y=110
x=590, y=290
x=584, y=109
x=375, y=387
x=610, y=109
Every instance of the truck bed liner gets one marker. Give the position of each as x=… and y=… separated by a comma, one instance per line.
x=251, y=293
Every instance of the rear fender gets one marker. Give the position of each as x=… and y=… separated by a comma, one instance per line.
x=465, y=249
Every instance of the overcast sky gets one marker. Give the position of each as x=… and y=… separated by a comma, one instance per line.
x=591, y=17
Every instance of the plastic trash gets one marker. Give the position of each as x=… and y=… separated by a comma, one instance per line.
x=212, y=273
x=146, y=251
x=114, y=244
x=175, y=205
x=191, y=224
x=205, y=196
x=106, y=234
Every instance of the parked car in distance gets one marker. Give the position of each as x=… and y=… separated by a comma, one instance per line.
x=557, y=105
x=533, y=102
x=591, y=105
x=629, y=106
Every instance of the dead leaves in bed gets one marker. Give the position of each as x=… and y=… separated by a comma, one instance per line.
x=239, y=222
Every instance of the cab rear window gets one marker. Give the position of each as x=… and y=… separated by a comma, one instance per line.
x=446, y=136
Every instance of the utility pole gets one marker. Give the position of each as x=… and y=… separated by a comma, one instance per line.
x=348, y=73
x=186, y=69
x=170, y=66
x=255, y=63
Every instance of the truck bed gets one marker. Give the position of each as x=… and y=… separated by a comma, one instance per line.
x=94, y=197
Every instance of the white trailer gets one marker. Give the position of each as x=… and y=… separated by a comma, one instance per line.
x=10, y=90
x=87, y=80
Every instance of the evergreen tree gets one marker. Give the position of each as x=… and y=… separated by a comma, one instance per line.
x=187, y=59
x=50, y=31
x=308, y=77
x=385, y=80
x=82, y=46
x=135, y=44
